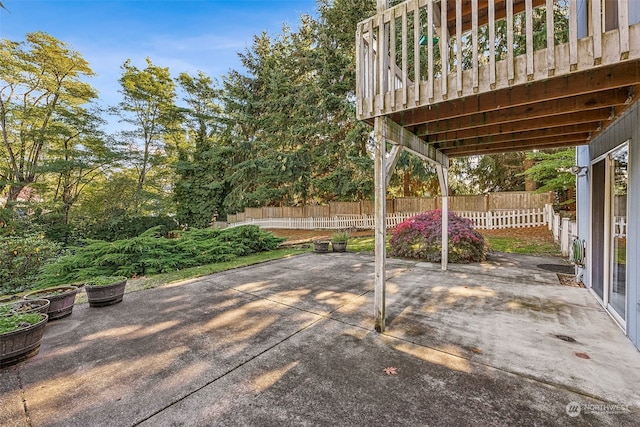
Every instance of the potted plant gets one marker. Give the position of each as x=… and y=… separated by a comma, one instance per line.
x=20, y=337
x=24, y=306
x=339, y=241
x=105, y=290
x=321, y=245
x=61, y=300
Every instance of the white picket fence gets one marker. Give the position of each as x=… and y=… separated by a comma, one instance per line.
x=565, y=231
x=481, y=220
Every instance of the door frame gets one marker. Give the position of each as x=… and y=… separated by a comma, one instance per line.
x=608, y=237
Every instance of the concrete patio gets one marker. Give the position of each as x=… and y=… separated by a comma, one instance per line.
x=291, y=342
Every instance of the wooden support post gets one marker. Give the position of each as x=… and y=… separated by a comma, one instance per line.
x=596, y=31
x=459, y=47
x=392, y=161
x=573, y=34
x=623, y=28
x=444, y=190
x=551, y=47
x=380, y=223
x=510, y=58
x=529, y=37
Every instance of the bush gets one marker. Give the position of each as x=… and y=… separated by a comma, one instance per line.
x=421, y=237
x=150, y=253
x=125, y=227
x=21, y=258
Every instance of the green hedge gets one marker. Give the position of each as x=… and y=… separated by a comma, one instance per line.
x=151, y=253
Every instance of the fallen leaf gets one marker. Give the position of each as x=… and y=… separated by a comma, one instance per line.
x=583, y=355
x=476, y=350
x=391, y=370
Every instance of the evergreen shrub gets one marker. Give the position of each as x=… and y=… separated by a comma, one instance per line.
x=126, y=227
x=421, y=237
x=151, y=253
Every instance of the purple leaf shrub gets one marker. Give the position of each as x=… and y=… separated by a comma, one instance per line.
x=421, y=237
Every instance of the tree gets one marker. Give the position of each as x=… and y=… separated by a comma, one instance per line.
x=148, y=106
x=78, y=156
x=203, y=162
x=551, y=169
x=496, y=172
x=41, y=81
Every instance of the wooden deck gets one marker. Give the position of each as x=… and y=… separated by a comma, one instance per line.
x=486, y=82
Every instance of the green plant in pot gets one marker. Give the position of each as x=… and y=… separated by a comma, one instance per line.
x=105, y=290
x=61, y=299
x=24, y=307
x=339, y=241
x=20, y=337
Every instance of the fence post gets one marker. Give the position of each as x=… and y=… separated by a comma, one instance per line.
x=564, y=237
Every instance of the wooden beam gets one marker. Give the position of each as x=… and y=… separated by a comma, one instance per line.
x=594, y=101
x=536, y=133
x=480, y=151
x=596, y=80
x=569, y=140
x=592, y=116
x=396, y=134
x=392, y=161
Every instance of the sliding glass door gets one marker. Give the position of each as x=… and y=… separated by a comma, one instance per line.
x=617, y=289
x=609, y=179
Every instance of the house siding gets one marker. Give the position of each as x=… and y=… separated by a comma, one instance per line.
x=626, y=128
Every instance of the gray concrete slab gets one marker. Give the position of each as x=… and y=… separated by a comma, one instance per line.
x=291, y=342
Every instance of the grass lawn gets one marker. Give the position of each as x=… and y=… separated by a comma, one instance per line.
x=527, y=241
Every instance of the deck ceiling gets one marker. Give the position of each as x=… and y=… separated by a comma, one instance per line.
x=556, y=112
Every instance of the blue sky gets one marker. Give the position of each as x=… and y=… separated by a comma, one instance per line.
x=184, y=35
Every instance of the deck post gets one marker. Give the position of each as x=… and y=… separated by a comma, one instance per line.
x=380, y=223
x=443, y=177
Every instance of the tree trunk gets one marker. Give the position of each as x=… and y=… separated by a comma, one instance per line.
x=529, y=184
x=13, y=193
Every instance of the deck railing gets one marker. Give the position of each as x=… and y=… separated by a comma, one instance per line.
x=422, y=52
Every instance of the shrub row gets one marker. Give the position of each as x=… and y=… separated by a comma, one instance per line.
x=151, y=253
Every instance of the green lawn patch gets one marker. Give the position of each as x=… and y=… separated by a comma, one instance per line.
x=522, y=246
x=497, y=244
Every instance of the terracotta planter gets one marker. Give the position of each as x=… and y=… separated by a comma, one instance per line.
x=21, y=344
x=321, y=246
x=25, y=306
x=103, y=295
x=339, y=246
x=61, y=298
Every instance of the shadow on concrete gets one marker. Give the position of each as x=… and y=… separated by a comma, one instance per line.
x=292, y=342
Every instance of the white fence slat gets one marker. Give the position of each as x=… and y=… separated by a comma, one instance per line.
x=481, y=220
